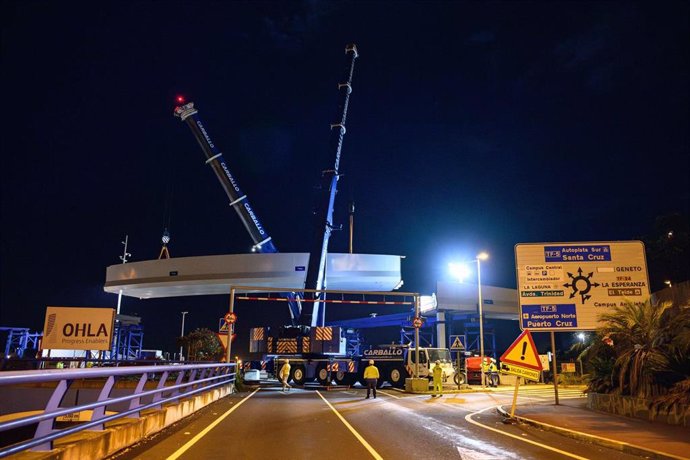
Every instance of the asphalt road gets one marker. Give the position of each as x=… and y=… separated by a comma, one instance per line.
x=308, y=424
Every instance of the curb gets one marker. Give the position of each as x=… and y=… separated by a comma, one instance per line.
x=594, y=439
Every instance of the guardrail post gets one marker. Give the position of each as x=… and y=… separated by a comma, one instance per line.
x=99, y=412
x=136, y=402
x=161, y=385
x=178, y=380
x=45, y=427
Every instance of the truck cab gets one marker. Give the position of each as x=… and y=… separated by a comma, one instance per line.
x=427, y=360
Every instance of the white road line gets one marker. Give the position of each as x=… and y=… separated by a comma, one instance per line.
x=349, y=427
x=388, y=394
x=205, y=431
x=468, y=417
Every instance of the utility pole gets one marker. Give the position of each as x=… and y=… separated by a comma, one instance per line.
x=123, y=258
x=182, y=334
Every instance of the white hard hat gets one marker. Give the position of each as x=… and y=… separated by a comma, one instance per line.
x=438, y=361
x=371, y=361
x=286, y=360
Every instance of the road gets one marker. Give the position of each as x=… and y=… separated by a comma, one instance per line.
x=309, y=424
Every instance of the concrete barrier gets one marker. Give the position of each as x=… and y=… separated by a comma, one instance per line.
x=123, y=433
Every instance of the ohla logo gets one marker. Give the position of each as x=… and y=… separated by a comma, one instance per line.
x=84, y=330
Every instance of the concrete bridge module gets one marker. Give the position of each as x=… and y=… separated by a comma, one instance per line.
x=211, y=275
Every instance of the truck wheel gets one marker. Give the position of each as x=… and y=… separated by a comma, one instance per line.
x=397, y=377
x=343, y=378
x=322, y=375
x=298, y=375
x=459, y=378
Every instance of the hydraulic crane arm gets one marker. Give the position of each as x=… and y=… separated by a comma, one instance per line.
x=316, y=270
x=238, y=200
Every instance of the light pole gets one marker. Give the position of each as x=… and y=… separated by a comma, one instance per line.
x=581, y=336
x=182, y=334
x=460, y=271
x=481, y=256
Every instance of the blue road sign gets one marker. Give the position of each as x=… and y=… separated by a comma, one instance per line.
x=548, y=316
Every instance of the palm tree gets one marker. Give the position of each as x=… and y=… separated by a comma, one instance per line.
x=650, y=343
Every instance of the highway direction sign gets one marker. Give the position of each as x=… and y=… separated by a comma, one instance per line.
x=566, y=286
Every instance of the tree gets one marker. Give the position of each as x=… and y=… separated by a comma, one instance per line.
x=202, y=345
x=645, y=348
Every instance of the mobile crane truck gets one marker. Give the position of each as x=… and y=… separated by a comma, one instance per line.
x=322, y=356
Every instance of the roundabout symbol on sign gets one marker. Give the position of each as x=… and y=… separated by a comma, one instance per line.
x=417, y=322
x=581, y=280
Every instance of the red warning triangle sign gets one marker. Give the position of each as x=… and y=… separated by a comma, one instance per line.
x=523, y=353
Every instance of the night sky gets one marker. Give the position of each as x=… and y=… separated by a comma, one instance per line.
x=472, y=126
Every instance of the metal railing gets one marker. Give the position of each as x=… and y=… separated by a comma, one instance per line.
x=190, y=379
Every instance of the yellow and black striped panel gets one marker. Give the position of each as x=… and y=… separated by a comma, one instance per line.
x=305, y=345
x=323, y=333
x=332, y=367
x=269, y=345
x=287, y=346
x=257, y=333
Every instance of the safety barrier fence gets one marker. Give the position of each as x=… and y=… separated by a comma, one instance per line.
x=189, y=380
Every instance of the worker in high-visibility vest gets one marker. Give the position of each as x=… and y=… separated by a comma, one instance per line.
x=284, y=375
x=371, y=375
x=438, y=379
x=490, y=371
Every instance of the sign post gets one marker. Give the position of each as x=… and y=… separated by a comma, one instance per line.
x=417, y=323
x=515, y=395
x=456, y=344
x=231, y=325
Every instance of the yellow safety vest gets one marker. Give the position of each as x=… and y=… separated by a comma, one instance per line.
x=285, y=371
x=371, y=372
x=438, y=372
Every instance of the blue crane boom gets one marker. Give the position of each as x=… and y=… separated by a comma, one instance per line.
x=316, y=270
x=238, y=200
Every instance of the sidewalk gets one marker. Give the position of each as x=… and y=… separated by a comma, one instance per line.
x=573, y=418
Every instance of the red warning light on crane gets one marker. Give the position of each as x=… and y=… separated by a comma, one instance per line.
x=180, y=99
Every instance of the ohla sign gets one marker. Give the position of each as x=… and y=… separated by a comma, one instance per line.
x=75, y=328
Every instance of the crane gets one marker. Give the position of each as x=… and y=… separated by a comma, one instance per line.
x=316, y=269
x=263, y=243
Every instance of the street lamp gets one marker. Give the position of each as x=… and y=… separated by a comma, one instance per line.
x=481, y=256
x=182, y=334
x=460, y=271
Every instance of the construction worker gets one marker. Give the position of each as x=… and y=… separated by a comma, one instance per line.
x=490, y=371
x=284, y=375
x=371, y=375
x=438, y=379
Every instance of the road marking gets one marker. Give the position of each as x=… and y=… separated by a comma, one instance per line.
x=468, y=417
x=349, y=427
x=205, y=431
x=469, y=454
x=388, y=394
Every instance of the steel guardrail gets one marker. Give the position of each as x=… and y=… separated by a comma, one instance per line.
x=199, y=378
